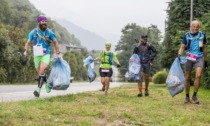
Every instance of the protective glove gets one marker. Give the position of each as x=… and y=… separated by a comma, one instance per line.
x=136, y=50
x=152, y=59
x=205, y=65
x=118, y=65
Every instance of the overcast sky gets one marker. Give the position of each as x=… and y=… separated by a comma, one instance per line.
x=106, y=16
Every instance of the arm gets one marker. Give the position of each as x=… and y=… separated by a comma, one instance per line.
x=181, y=49
x=26, y=47
x=99, y=57
x=116, y=60
x=55, y=43
x=154, y=52
x=204, y=52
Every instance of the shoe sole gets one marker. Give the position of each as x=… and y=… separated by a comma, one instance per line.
x=36, y=93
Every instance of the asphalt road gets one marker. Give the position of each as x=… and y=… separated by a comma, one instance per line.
x=25, y=92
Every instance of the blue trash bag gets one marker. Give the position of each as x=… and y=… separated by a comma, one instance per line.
x=91, y=72
x=59, y=78
x=175, y=80
x=87, y=61
x=183, y=60
x=134, y=68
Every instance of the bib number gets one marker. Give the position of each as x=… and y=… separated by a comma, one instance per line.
x=191, y=56
x=105, y=70
x=38, y=50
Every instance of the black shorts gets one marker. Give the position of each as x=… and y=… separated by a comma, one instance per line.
x=105, y=72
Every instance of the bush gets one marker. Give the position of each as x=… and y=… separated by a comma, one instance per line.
x=159, y=77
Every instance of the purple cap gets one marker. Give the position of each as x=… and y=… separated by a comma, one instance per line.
x=41, y=18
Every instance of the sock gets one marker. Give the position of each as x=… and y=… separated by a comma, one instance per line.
x=195, y=93
x=140, y=89
x=146, y=88
x=187, y=95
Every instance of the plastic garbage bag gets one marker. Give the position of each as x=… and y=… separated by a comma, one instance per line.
x=175, y=80
x=183, y=60
x=134, y=68
x=91, y=72
x=87, y=61
x=59, y=78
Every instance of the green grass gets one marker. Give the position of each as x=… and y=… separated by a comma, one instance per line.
x=120, y=107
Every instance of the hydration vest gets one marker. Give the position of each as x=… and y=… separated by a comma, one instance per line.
x=110, y=55
x=45, y=37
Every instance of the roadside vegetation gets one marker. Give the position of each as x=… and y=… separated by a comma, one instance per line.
x=121, y=107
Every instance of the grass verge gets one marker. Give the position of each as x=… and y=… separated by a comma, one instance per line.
x=121, y=107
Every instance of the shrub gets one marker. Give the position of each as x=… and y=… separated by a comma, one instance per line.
x=159, y=77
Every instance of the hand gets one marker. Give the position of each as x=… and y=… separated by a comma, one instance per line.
x=152, y=59
x=205, y=65
x=118, y=65
x=136, y=50
x=178, y=56
x=58, y=56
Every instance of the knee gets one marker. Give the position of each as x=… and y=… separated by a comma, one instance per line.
x=198, y=76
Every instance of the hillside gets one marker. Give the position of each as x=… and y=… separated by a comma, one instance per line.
x=87, y=38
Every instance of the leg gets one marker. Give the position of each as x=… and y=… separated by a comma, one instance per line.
x=140, y=84
x=103, y=83
x=102, y=79
x=198, y=71
x=187, y=83
x=188, y=68
x=107, y=79
x=146, y=84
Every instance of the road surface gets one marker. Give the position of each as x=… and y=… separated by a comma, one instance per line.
x=25, y=92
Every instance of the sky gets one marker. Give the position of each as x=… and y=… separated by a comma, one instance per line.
x=106, y=16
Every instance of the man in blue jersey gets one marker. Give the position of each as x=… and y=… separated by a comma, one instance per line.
x=194, y=42
x=41, y=38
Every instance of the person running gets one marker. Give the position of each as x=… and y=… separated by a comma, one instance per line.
x=41, y=38
x=147, y=53
x=196, y=52
x=106, y=57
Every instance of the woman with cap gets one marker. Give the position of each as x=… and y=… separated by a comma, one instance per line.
x=40, y=38
x=106, y=57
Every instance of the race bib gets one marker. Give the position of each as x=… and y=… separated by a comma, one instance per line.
x=105, y=70
x=38, y=50
x=191, y=56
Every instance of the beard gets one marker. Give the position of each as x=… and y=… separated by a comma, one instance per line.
x=43, y=27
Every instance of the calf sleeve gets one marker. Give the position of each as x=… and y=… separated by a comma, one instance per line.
x=41, y=80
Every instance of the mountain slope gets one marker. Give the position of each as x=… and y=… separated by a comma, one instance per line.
x=88, y=39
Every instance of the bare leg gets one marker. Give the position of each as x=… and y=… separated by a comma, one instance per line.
x=103, y=83
x=187, y=83
x=197, y=78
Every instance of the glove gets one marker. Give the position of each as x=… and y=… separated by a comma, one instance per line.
x=118, y=65
x=152, y=59
x=205, y=65
x=136, y=50
x=178, y=56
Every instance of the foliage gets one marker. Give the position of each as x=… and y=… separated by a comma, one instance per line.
x=178, y=23
x=17, y=19
x=159, y=77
